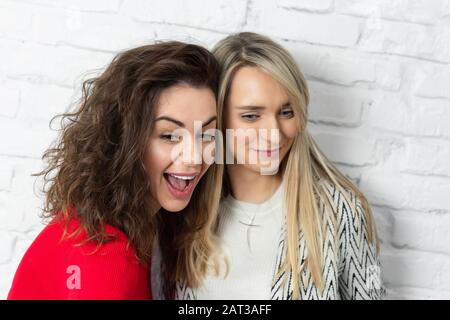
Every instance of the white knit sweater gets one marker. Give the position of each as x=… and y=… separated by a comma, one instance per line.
x=249, y=235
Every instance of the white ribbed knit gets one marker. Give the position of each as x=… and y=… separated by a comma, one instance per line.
x=249, y=236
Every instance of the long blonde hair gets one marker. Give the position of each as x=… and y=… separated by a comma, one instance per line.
x=305, y=166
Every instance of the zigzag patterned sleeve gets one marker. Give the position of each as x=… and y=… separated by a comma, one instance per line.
x=359, y=263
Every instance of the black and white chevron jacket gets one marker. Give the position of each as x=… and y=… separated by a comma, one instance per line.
x=358, y=271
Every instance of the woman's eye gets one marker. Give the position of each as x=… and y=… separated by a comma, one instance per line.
x=287, y=113
x=209, y=137
x=170, y=137
x=250, y=116
x=206, y=137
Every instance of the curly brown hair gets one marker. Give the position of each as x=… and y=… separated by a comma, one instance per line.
x=96, y=165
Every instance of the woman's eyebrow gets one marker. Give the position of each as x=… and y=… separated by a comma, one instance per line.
x=178, y=123
x=213, y=118
x=251, y=107
x=181, y=124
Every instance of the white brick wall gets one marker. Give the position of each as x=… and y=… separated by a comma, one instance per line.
x=379, y=73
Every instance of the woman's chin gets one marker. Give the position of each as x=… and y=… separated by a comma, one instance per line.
x=174, y=205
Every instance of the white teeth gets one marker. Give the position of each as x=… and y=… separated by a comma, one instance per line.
x=183, y=177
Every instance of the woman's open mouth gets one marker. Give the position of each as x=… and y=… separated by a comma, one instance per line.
x=180, y=185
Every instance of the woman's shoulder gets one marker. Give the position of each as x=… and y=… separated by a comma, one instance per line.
x=345, y=202
x=66, y=234
x=352, y=218
x=64, y=253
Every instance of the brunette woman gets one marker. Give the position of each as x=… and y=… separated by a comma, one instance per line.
x=117, y=183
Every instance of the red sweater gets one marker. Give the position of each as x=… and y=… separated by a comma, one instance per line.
x=56, y=268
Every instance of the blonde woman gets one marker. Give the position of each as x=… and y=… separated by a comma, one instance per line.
x=303, y=232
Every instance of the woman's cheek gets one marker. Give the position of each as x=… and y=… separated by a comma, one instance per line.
x=208, y=154
x=290, y=129
x=158, y=157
